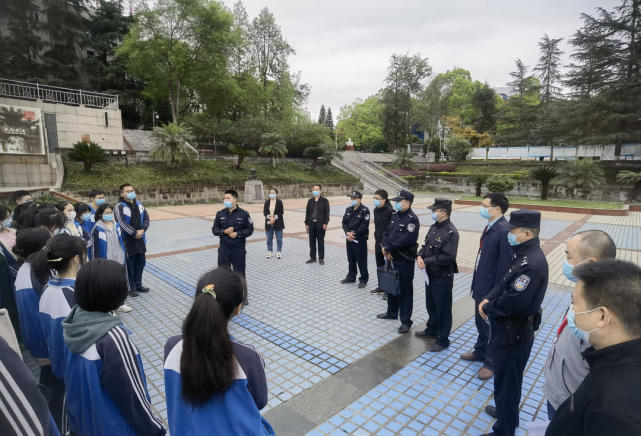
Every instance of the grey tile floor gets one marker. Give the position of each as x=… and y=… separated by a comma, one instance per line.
x=627, y=237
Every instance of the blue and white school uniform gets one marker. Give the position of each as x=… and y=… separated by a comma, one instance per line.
x=27, y=301
x=56, y=302
x=99, y=241
x=108, y=394
x=237, y=412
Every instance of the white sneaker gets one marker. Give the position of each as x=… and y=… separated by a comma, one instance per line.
x=124, y=309
x=269, y=255
x=279, y=256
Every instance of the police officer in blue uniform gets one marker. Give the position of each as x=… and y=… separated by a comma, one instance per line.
x=233, y=225
x=399, y=245
x=514, y=311
x=356, y=228
x=438, y=257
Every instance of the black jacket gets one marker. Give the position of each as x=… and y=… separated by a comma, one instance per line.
x=440, y=248
x=279, y=224
x=323, y=211
x=493, y=260
x=608, y=400
x=382, y=217
x=357, y=221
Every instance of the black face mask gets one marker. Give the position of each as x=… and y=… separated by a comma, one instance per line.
x=27, y=203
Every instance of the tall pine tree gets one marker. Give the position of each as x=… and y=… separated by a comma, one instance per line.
x=329, y=121
x=321, y=115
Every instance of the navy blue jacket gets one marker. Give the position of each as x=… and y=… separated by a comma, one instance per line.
x=357, y=221
x=240, y=220
x=493, y=259
x=401, y=235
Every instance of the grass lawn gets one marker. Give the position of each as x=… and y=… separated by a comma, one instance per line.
x=198, y=173
x=564, y=203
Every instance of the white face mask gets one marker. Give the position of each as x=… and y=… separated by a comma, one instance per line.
x=71, y=215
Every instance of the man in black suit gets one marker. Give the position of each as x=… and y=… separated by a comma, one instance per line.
x=316, y=220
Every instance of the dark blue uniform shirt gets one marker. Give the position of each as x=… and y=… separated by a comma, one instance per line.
x=239, y=219
x=357, y=221
x=402, y=233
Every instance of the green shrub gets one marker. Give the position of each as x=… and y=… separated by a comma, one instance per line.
x=409, y=178
x=89, y=153
x=501, y=183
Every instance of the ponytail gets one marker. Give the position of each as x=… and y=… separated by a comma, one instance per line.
x=207, y=364
x=56, y=255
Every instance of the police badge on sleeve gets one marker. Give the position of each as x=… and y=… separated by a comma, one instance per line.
x=521, y=282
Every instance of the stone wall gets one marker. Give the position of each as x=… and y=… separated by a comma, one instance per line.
x=214, y=194
x=30, y=171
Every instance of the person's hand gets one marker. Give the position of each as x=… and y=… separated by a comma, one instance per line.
x=388, y=256
x=481, y=306
x=324, y=226
x=306, y=228
x=272, y=221
x=420, y=262
x=228, y=230
x=233, y=235
x=350, y=236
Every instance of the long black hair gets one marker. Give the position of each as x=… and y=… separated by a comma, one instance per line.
x=56, y=255
x=207, y=363
x=29, y=241
x=49, y=218
x=101, y=285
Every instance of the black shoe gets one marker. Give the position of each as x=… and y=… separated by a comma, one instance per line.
x=424, y=334
x=133, y=294
x=436, y=348
x=376, y=291
x=345, y=281
x=404, y=328
x=491, y=410
x=384, y=315
x=311, y=260
x=143, y=289
x=361, y=285
x=322, y=262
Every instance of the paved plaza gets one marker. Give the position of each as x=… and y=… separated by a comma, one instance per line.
x=332, y=367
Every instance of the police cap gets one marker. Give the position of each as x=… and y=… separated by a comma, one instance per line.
x=441, y=203
x=404, y=195
x=529, y=219
x=355, y=194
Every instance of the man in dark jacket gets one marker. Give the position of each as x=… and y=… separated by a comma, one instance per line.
x=605, y=305
x=493, y=260
x=316, y=220
x=274, y=223
x=382, y=216
x=438, y=257
x=233, y=226
x=356, y=228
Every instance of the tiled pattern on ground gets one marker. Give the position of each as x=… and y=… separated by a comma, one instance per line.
x=624, y=236
x=632, y=219
x=440, y=394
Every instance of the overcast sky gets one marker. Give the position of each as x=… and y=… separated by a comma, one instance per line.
x=343, y=47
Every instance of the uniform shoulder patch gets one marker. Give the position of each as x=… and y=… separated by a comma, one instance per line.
x=521, y=282
x=367, y=217
x=250, y=220
x=524, y=261
x=411, y=227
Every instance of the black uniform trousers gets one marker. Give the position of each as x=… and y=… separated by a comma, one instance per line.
x=404, y=303
x=357, y=255
x=482, y=346
x=438, y=301
x=316, y=235
x=232, y=255
x=378, y=254
x=511, y=352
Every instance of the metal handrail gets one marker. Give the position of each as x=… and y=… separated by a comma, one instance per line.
x=55, y=94
x=386, y=172
x=367, y=176
x=381, y=177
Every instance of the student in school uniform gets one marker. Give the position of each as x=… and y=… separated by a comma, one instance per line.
x=84, y=217
x=72, y=225
x=108, y=393
x=96, y=198
x=213, y=384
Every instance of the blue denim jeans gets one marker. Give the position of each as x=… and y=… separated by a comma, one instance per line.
x=279, y=239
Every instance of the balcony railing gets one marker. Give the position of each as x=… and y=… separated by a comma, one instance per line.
x=54, y=94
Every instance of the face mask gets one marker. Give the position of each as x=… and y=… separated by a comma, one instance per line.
x=272, y=196
x=7, y=223
x=131, y=195
x=511, y=238
x=377, y=203
x=485, y=213
x=354, y=203
x=398, y=206
x=316, y=193
x=568, y=268
x=434, y=216
x=86, y=216
x=577, y=331
x=103, y=201
x=583, y=313
x=71, y=216
x=228, y=204
x=108, y=217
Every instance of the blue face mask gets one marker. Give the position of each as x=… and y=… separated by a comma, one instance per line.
x=131, y=195
x=86, y=216
x=568, y=269
x=354, y=203
x=485, y=213
x=316, y=193
x=228, y=204
x=577, y=331
x=377, y=203
x=108, y=217
x=511, y=238
x=7, y=223
x=102, y=201
x=434, y=216
x=272, y=196
x=398, y=206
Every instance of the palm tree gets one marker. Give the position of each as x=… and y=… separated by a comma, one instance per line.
x=172, y=144
x=580, y=176
x=631, y=178
x=544, y=174
x=241, y=152
x=478, y=180
x=274, y=146
x=315, y=152
x=89, y=153
x=404, y=159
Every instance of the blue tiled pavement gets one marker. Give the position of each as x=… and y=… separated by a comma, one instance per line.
x=627, y=237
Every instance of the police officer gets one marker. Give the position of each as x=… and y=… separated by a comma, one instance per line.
x=438, y=257
x=514, y=311
x=383, y=211
x=356, y=228
x=399, y=245
x=233, y=225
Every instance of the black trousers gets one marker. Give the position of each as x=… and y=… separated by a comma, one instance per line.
x=404, y=303
x=233, y=256
x=510, y=359
x=357, y=255
x=316, y=236
x=438, y=301
x=482, y=350
x=135, y=266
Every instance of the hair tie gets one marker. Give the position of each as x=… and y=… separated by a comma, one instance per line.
x=55, y=260
x=209, y=289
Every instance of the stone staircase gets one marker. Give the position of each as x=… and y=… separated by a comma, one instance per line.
x=372, y=175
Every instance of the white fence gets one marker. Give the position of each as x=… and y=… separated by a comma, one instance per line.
x=603, y=152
